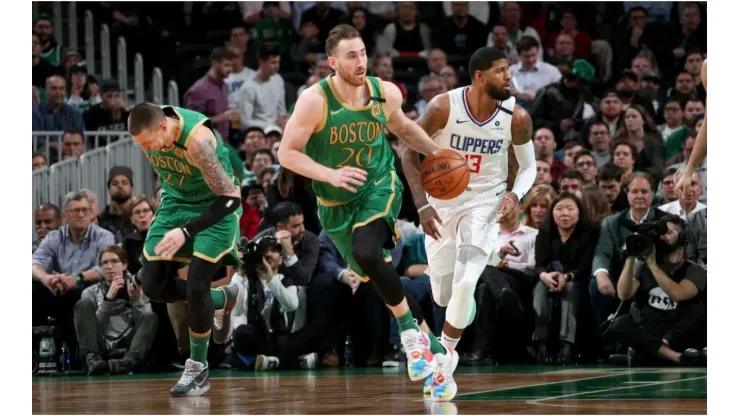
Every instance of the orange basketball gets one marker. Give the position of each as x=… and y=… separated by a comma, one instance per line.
x=445, y=174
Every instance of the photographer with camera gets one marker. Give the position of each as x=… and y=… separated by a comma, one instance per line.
x=114, y=315
x=669, y=312
x=264, y=321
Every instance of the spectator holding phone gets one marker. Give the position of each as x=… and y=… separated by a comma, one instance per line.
x=564, y=249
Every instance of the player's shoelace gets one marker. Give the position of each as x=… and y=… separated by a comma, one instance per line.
x=410, y=342
x=190, y=373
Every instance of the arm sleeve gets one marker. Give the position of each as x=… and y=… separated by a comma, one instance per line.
x=527, y=169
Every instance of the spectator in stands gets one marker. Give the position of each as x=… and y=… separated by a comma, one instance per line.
x=565, y=105
x=157, y=197
x=687, y=203
x=537, y=204
x=610, y=110
x=682, y=158
x=73, y=144
x=47, y=218
x=450, y=77
x=693, y=110
x=429, y=87
x=300, y=247
x=595, y=204
x=564, y=47
x=643, y=63
x=38, y=161
x=113, y=315
x=53, y=114
x=694, y=60
x=407, y=36
x=310, y=46
x=569, y=26
x=564, y=249
x=499, y=39
x=263, y=97
x=360, y=19
x=599, y=139
x=94, y=204
x=698, y=225
x=35, y=97
x=631, y=38
x=261, y=159
x=114, y=217
x=667, y=186
x=512, y=19
x=254, y=205
x=79, y=91
x=264, y=333
x=140, y=213
x=290, y=186
x=210, y=94
x=637, y=129
x=111, y=114
x=436, y=61
x=42, y=69
x=691, y=35
x=460, y=33
x=627, y=88
x=585, y=163
x=266, y=177
x=673, y=115
x=570, y=150
x=382, y=67
x=544, y=173
x=608, y=260
x=254, y=139
x=668, y=317
x=570, y=181
x=240, y=73
x=531, y=73
x=273, y=26
x=325, y=16
x=274, y=149
x=624, y=155
x=50, y=49
x=544, y=146
x=609, y=179
x=64, y=263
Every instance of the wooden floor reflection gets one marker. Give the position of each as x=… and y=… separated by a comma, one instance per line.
x=518, y=390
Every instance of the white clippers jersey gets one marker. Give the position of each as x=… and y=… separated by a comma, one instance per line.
x=485, y=145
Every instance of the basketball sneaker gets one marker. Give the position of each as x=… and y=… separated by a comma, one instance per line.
x=428, y=384
x=443, y=386
x=193, y=382
x=308, y=361
x=222, y=317
x=419, y=358
x=266, y=363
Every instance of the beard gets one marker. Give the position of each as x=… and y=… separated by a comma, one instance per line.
x=120, y=198
x=500, y=95
x=350, y=78
x=663, y=249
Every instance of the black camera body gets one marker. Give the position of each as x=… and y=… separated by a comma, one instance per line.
x=253, y=252
x=644, y=236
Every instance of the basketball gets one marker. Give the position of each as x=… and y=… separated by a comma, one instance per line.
x=445, y=174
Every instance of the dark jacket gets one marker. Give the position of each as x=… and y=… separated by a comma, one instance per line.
x=307, y=251
x=576, y=254
x=555, y=103
x=608, y=253
x=67, y=118
x=330, y=261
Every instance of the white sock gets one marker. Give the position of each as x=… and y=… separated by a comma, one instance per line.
x=448, y=341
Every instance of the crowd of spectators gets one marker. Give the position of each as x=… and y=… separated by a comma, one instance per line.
x=616, y=100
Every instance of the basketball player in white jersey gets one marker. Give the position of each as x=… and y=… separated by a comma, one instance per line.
x=479, y=121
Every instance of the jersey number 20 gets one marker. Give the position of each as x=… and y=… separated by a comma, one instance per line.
x=360, y=160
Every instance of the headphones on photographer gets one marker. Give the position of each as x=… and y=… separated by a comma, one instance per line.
x=684, y=236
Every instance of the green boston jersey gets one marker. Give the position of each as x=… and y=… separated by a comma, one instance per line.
x=351, y=136
x=180, y=179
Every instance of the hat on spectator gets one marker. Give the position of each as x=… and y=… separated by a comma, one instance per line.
x=651, y=76
x=78, y=67
x=272, y=128
x=72, y=52
x=583, y=70
x=121, y=170
x=109, y=85
x=628, y=73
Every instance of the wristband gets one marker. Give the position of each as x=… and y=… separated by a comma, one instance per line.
x=80, y=280
x=423, y=208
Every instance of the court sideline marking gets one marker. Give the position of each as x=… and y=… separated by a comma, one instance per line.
x=548, y=383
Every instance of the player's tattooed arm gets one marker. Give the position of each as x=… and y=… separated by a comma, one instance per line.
x=202, y=150
x=521, y=126
x=433, y=120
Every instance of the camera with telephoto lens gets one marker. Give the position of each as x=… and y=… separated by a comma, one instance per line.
x=253, y=252
x=644, y=236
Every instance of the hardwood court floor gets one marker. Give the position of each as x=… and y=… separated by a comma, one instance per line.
x=508, y=390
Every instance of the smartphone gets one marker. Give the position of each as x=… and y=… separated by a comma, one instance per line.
x=515, y=248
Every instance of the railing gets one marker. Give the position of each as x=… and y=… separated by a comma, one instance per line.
x=157, y=86
x=122, y=66
x=40, y=193
x=173, y=94
x=90, y=42
x=72, y=23
x=58, y=29
x=49, y=143
x=94, y=171
x=105, y=56
x=64, y=177
x=139, y=78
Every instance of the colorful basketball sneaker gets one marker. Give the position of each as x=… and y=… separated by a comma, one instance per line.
x=419, y=358
x=444, y=387
x=428, y=384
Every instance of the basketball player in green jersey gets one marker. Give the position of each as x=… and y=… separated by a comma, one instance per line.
x=197, y=223
x=336, y=137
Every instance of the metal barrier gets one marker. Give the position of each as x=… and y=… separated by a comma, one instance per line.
x=128, y=153
x=139, y=78
x=40, y=193
x=72, y=23
x=94, y=171
x=157, y=87
x=105, y=56
x=58, y=29
x=122, y=66
x=90, y=42
x=173, y=94
x=49, y=143
x=64, y=177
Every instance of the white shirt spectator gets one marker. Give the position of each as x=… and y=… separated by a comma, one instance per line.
x=273, y=290
x=539, y=76
x=524, y=239
x=235, y=82
x=262, y=101
x=675, y=209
